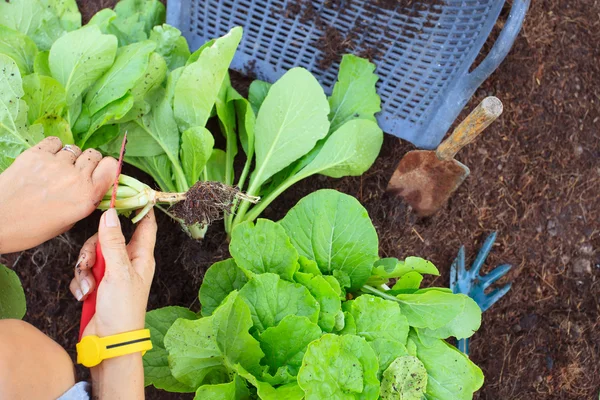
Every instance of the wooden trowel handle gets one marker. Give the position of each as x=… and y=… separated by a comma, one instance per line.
x=480, y=118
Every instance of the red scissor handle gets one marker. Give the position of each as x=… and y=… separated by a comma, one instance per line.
x=89, y=304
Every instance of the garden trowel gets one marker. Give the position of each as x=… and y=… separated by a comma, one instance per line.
x=426, y=179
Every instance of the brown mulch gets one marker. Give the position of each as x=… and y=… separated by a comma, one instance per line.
x=535, y=178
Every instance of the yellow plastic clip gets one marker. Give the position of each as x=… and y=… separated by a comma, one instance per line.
x=93, y=349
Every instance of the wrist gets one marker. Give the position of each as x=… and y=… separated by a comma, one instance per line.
x=119, y=378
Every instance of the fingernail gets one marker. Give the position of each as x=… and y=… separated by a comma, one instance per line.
x=85, y=286
x=111, y=220
x=78, y=294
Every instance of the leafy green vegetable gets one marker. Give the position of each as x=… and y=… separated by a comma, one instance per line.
x=377, y=318
x=334, y=230
x=354, y=95
x=19, y=47
x=156, y=365
x=204, y=76
x=257, y=92
x=194, y=357
x=405, y=379
x=339, y=367
x=222, y=278
x=12, y=296
x=234, y=390
x=263, y=247
x=79, y=58
x=129, y=65
x=15, y=136
x=292, y=118
x=451, y=375
x=284, y=345
x=327, y=295
x=271, y=299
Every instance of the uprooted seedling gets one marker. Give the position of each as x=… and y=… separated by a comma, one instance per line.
x=203, y=203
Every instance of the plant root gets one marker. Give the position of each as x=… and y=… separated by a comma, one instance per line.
x=207, y=202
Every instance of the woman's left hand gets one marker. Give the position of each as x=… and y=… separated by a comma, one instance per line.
x=47, y=189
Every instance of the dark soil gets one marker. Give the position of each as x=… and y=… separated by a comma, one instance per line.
x=535, y=178
x=334, y=43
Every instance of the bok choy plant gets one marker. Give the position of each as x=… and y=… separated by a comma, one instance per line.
x=303, y=310
x=124, y=71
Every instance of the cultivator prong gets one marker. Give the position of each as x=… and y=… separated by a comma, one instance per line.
x=471, y=283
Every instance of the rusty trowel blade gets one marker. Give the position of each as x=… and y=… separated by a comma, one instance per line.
x=425, y=181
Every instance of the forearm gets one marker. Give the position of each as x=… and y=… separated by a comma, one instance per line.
x=119, y=378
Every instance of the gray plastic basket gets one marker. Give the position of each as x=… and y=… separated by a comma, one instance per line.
x=423, y=62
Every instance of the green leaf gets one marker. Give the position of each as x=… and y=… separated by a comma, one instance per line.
x=129, y=66
x=334, y=229
x=171, y=45
x=103, y=19
x=387, y=351
x=66, y=11
x=349, y=151
x=159, y=167
x=266, y=391
x=308, y=266
x=215, y=167
x=15, y=137
x=451, y=375
x=232, y=320
x=387, y=268
x=271, y=299
x=79, y=58
x=204, y=76
x=405, y=379
x=25, y=16
x=225, y=107
x=44, y=96
x=222, y=278
x=152, y=78
x=246, y=122
x=349, y=327
x=257, y=92
x=19, y=47
x=284, y=345
x=339, y=367
x=144, y=14
x=194, y=357
x=109, y=114
x=103, y=135
x=156, y=364
x=326, y=295
x=464, y=325
x=354, y=95
x=263, y=247
x=410, y=280
x=156, y=132
x=433, y=309
x=292, y=118
x=53, y=125
x=234, y=390
x=194, y=56
x=40, y=64
x=377, y=318
x=12, y=296
x=196, y=147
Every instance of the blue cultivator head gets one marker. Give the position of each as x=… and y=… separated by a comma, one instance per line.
x=471, y=283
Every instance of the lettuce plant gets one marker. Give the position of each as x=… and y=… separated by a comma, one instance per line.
x=304, y=309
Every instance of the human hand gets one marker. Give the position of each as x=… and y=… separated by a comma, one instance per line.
x=123, y=293
x=47, y=189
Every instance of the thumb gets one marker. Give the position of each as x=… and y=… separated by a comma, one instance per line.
x=112, y=241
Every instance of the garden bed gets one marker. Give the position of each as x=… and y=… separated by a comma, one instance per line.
x=535, y=179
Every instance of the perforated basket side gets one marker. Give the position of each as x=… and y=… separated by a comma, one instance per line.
x=423, y=58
